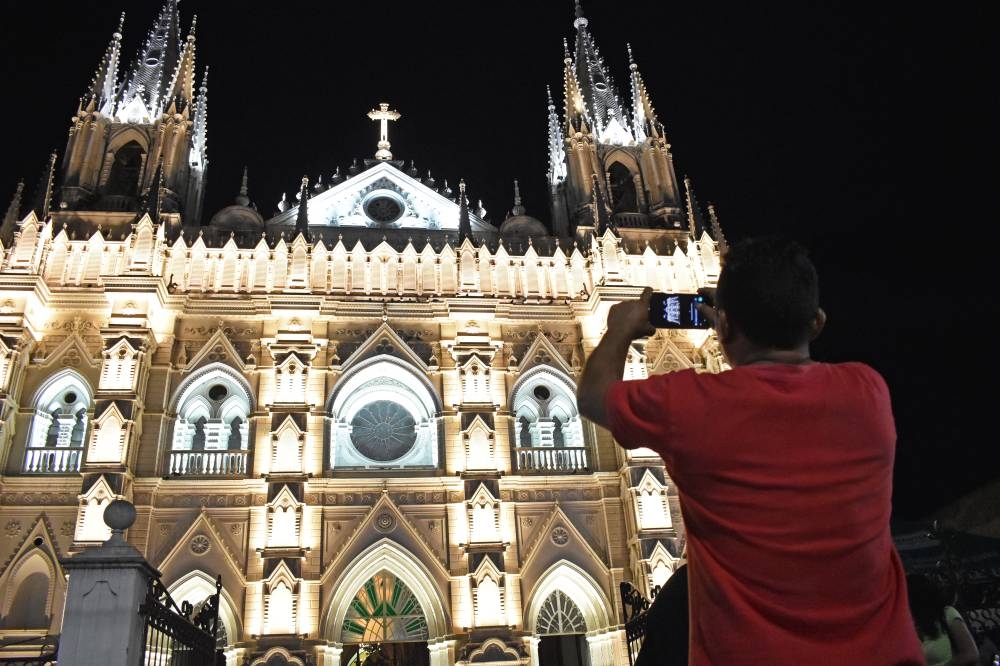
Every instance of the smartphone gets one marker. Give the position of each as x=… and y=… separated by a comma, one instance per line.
x=677, y=311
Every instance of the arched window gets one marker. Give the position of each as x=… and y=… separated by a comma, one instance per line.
x=124, y=177
x=383, y=415
x=59, y=426
x=547, y=425
x=212, y=430
x=559, y=615
x=197, y=588
x=623, y=199
x=384, y=610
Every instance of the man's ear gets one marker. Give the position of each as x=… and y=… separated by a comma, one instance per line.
x=818, y=322
x=723, y=329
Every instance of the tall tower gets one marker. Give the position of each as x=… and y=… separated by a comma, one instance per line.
x=607, y=159
x=124, y=130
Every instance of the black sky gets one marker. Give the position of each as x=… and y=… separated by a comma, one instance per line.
x=858, y=129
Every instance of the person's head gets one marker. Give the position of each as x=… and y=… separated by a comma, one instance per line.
x=768, y=292
x=927, y=604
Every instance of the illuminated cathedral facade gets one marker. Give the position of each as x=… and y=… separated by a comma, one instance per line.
x=359, y=410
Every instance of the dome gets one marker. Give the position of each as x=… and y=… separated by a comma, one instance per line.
x=238, y=218
x=522, y=227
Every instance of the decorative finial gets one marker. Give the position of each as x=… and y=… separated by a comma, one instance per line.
x=383, y=115
x=566, y=57
x=194, y=24
x=581, y=20
x=518, y=209
x=631, y=61
x=243, y=199
x=121, y=28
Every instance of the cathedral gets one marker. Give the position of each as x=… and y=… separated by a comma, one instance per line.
x=357, y=409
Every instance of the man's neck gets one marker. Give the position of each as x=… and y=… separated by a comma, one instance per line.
x=760, y=356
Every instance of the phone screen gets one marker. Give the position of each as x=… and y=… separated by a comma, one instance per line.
x=677, y=311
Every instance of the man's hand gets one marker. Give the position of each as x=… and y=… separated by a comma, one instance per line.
x=626, y=322
x=709, y=309
x=630, y=319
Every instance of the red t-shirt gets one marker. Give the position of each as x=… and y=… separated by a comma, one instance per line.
x=784, y=474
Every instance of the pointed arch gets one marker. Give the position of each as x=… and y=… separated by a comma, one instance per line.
x=386, y=555
x=30, y=589
x=383, y=413
x=582, y=590
x=56, y=438
x=197, y=586
x=211, y=434
x=546, y=423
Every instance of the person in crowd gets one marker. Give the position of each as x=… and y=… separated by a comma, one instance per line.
x=944, y=636
x=783, y=467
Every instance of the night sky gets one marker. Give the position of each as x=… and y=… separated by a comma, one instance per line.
x=858, y=131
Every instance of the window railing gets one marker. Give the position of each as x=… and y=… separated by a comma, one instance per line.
x=545, y=460
x=207, y=463
x=52, y=460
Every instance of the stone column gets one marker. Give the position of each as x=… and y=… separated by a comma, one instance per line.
x=101, y=623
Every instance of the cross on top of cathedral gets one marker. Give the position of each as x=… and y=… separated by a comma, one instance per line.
x=384, y=115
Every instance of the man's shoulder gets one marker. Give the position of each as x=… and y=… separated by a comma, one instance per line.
x=862, y=371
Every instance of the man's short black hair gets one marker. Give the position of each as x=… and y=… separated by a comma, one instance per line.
x=770, y=291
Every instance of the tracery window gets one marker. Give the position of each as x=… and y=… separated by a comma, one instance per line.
x=547, y=426
x=383, y=415
x=559, y=615
x=212, y=429
x=59, y=426
x=384, y=610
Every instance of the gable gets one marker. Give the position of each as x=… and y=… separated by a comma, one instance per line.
x=381, y=197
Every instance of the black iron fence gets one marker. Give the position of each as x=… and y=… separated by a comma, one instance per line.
x=634, y=608
x=182, y=635
x=45, y=648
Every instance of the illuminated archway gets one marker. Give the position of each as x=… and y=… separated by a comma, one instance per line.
x=383, y=413
x=386, y=557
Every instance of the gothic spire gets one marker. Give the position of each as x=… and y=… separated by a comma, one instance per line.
x=199, y=137
x=576, y=107
x=43, y=194
x=104, y=86
x=696, y=219
x=645, y=123
x=518, y=209
x=597, y=86
x=182, y=80
x=10, y=220
x=557, y=149
x=243, y=198
x=464, y=226
x=302, y=219
x=717, y=234
x=156, y=60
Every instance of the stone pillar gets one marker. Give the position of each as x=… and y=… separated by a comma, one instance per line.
x=101, y=623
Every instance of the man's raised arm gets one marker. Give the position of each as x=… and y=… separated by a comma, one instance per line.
x=626, y=322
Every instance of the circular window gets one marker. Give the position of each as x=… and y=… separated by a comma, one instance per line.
x=541, y=393
x=382, y=430
x=218, y=392
x=383, y=210
x=69, y=398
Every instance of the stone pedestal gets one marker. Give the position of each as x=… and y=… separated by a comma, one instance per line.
x=101, y=623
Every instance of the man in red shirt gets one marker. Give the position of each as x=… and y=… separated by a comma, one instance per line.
x=783, y=466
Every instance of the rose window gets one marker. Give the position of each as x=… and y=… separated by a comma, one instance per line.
x=383, y=210
x=383, y=430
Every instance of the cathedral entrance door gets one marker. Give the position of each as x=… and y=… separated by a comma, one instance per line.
x=565, y=650
x=385, y=625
